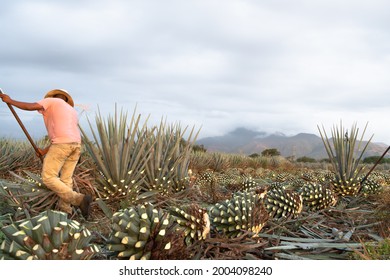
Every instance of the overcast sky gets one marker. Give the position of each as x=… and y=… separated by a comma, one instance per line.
x=283, y=66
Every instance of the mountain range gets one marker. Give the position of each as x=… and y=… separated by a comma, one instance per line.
x=246, y=141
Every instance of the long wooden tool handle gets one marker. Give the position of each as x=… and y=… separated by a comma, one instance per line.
x=369, y=172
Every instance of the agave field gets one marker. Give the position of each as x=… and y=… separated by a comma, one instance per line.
x=157, y=197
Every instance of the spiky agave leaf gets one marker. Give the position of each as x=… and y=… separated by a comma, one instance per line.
x=138, y=230
x=194, y=220
x=245, y=212
x=283, y=204
x=47, y=236
x=317, y=196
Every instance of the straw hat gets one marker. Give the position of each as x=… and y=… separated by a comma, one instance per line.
x=63, y=92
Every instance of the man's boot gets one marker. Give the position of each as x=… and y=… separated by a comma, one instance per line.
x=85, y=206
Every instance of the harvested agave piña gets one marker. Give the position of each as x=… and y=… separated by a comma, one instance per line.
x=317, y=196
x=194, y=220
x=138, y=230
x=283, y=204
x=348, y=187
x=47, y=236
x=205, y=178
x=248, y=182
x=370, y=186
x=245, y=212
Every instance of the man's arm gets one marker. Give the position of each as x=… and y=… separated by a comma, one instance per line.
x=21, y=105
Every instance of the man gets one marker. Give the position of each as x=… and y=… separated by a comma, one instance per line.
x=62, y=155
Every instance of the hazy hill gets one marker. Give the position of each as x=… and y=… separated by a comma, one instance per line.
x=246, y=141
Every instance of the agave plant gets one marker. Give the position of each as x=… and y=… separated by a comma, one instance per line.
x=7, y=160
x=28, y=193
x=346, y=156
x=119, y=152
x=239, y=161
x=219, y=162
x=199, y=161
x=245, y=212
x=166, y=170
x=143, y=232
x=18, y=155
x=47, y=236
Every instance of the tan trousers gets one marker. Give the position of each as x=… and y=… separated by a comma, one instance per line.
x=57, y=174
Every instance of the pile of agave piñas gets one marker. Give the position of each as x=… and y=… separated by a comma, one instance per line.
x=146, y=232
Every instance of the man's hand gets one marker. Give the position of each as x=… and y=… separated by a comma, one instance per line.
x=5, y=98
x=42, y=152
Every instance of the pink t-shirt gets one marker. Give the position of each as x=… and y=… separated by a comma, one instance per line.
x=60, y=120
